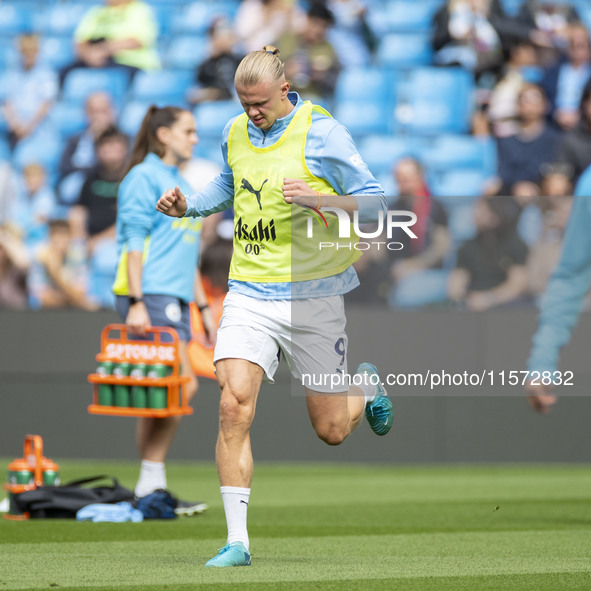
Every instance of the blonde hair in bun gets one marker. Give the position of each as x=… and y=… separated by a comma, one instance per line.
x=259, y=66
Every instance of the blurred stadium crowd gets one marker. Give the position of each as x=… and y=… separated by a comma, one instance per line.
x=476, y=114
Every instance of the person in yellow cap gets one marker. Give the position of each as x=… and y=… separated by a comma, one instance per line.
x=285, y=159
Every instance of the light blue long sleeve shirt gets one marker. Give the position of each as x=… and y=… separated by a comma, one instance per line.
x=331, y=154
x=172, y=253
x=565, y=294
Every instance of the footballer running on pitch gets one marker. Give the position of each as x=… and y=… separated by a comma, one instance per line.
x=282, y=157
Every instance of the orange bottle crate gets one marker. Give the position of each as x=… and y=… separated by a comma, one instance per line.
x=117, y=348
x=27, y=473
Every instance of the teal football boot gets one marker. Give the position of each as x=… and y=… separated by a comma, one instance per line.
x=379, y=412
x=234, y=554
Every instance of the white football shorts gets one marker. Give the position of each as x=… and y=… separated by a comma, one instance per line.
x=309, y=333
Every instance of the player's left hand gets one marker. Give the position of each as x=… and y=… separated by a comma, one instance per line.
x=542, y=404
x=299, y=192
x=540, y=398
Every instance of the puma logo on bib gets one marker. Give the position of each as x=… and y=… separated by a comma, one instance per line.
x=246, y=185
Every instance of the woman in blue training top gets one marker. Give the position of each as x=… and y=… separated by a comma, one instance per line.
x=152, y=284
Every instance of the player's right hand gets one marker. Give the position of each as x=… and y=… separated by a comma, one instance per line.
x=541, y=398
x=172, y=203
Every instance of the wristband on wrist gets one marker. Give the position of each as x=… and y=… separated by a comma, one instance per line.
x=201, y=308
x=133, y=300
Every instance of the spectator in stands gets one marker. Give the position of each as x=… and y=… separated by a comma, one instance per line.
x=351, y=35
x=555, y=183
x=564, y=82
x=311, y=63
x=31, y=90
x=35, y=206
x=502, y=104
x=120, y=34
x=522, y=156
x=545, y=253
x=79, y=152
x=58, y=278
x=490, y=269
x=468, y=33
x=263, y=22
x=547, y=22
x=417, y=274
x=14, y=264
x=215, y=75
x=93, y=217
x=79, y=157
x=574, y=149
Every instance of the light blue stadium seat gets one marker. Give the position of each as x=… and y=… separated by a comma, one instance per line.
x=186, y=51
x=388, y=183
x=15, y=17
x=461, y=222
x=458, y=191
x=362, y=84
x=435, y=100
x=458, y=182
x=83, y=81
x=57, y=52
x=162, y=85
x=132, y=116
x=103, y=265
x=101, y=288
x=197, y=16
x=4, y=77
x=210, y=149
x=164, y=11
x=404, y=16
x=364, y=100
x=585, y=14
x=60, y=18
x=405, y=49
x=362, y=119
x=381, y=152
x=68, y=119
x=212, y=117
x=9, y=55
x=447, y=152
x=578, y=4
x=42, y=147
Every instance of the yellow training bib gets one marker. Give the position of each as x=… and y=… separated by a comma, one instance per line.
x=272, y=240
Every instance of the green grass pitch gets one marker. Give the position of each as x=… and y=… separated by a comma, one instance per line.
x=325, y=527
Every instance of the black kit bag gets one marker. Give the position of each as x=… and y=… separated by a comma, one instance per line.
x=65, y=501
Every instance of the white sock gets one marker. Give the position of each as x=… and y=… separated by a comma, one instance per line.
x=152, y=477
x=369, y=390
x=235, y=501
